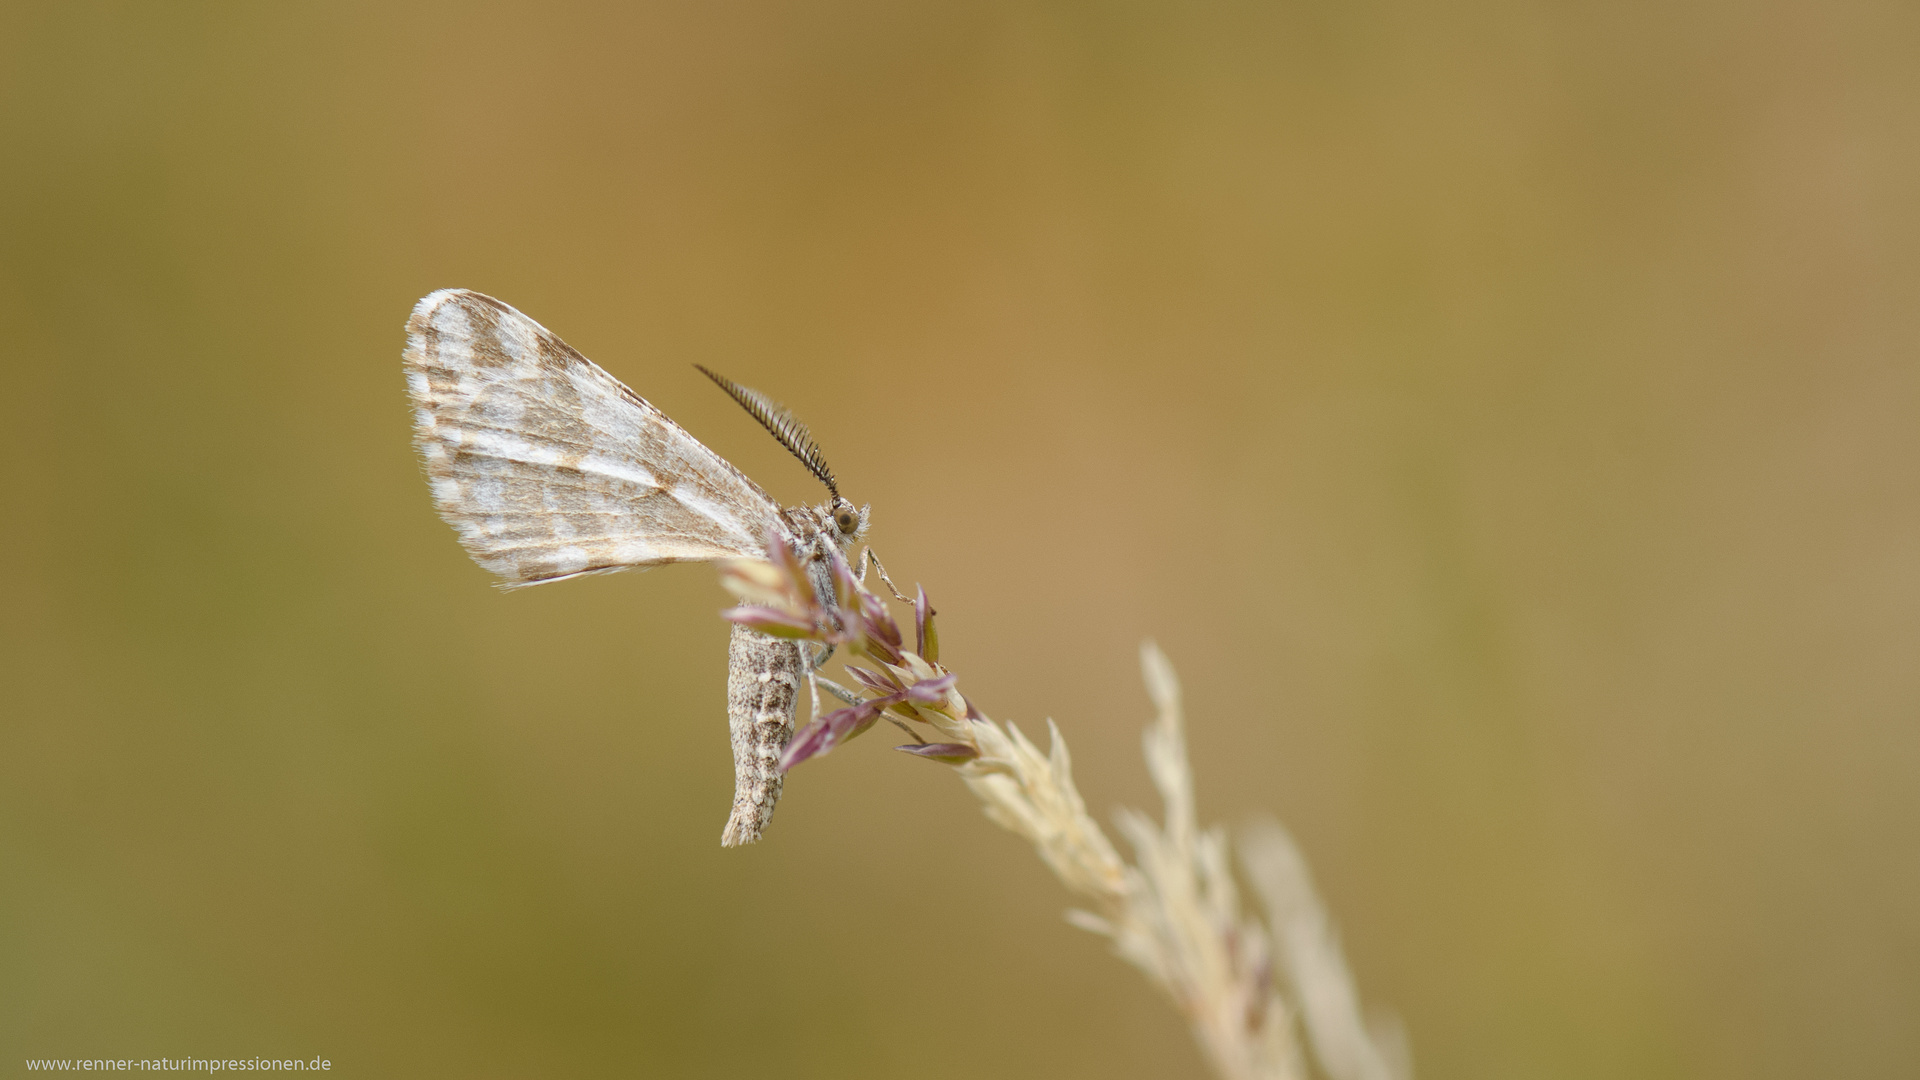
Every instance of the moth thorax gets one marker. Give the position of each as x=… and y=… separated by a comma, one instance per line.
x=817, y=536
x=820, y=529
x=809, y=537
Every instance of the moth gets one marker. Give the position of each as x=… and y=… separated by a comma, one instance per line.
x=549, y=468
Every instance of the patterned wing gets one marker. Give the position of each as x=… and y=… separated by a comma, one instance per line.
x=548, y=467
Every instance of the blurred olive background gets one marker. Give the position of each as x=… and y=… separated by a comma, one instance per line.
x=1503, y=413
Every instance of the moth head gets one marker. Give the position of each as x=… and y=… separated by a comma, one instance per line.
x=847, y=522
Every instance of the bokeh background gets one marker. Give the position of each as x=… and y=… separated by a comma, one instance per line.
x=1503, y=413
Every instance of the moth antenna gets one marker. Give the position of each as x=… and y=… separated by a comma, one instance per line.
x=781, y=424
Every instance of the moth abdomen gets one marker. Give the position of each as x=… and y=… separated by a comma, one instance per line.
x=763, y=686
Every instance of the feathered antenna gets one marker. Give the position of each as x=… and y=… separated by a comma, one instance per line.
x=781, y=424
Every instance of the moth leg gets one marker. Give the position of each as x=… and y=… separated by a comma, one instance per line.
x=826, y=653
x=852, y=698
x=838, y=691
x=867, y=556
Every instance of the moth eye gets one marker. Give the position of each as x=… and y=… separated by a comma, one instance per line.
x=845, y=520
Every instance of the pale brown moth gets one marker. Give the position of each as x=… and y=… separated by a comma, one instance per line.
x=549, y=468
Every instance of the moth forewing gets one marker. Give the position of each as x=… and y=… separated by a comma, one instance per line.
x=547, y=468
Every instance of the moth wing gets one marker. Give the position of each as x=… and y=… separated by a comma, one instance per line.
x=548, y=467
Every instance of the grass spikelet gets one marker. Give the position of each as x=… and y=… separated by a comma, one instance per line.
x=1256, y=988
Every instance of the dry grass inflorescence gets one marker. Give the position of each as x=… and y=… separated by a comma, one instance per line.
x=1259, y=990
